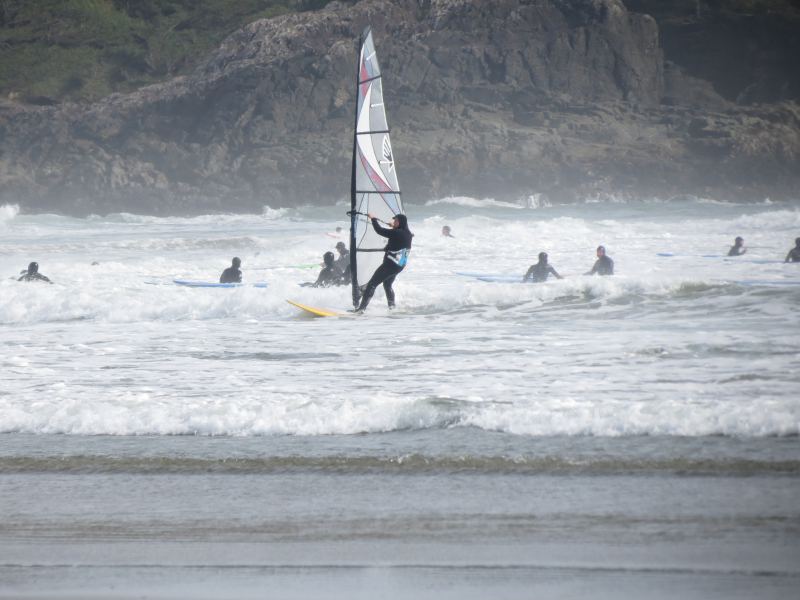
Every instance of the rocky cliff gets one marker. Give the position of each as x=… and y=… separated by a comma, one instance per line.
x=508, y=98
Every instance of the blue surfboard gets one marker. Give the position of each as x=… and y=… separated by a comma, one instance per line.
x=493, y=277
x=211, y=284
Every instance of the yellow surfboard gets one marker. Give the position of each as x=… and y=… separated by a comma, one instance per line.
x=317, y=312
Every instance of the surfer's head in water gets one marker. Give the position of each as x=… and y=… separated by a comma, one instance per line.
x=446, y=232
x=32, y=274
x=236, y=262
x=738, y=241
x=601, y=251
x=327, y=258
x=543, y=258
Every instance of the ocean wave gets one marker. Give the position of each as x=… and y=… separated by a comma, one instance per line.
x=474, y=202
x=113, y=293
x=267, y=214
x=410, y=464
x=8, y=212
x=283, y=413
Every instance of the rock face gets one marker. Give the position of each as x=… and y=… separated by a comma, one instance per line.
x=506, y=98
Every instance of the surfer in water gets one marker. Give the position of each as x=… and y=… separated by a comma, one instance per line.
x=329, y=275
x=794, y=253
x=232, y=274
x=539, y=272
x=32, y=274
x=342, y=264
x=603, y=265
x=446, y=232
x=738, y=247
x=394, y=259
x=343, y=261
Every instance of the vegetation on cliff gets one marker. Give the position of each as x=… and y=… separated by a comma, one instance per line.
x=81, y=50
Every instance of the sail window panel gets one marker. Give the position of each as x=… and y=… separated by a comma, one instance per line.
x=375, y=164
x=377, y=110
x=369, y=60
x=371, y=112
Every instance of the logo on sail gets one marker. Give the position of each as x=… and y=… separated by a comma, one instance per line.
x=388, y=159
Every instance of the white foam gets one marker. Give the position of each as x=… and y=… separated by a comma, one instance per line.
x=8, y=212
x=473, y=202
x=663, y=347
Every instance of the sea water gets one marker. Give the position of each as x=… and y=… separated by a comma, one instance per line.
x=634, y=435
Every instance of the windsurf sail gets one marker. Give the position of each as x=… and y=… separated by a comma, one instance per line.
x=373, y=182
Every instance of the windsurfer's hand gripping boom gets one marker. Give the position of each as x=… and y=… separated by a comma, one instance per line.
x=370, y=216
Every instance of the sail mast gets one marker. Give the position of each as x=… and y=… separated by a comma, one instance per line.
x=353, y=204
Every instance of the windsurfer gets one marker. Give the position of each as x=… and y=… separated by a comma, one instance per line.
x=232, y=274
x=539, y=272
x=394, y=259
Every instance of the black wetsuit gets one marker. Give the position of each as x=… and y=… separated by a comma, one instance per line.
x=399, y=240
x=343, y=265
x=34, y=277
x=231, y=275
x=794, y=255
x=736, y=250
x=346, y=276
x=327, y=277
x=539, y=272
x=603, y=266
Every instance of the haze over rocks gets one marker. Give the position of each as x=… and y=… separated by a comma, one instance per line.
x=507, y=99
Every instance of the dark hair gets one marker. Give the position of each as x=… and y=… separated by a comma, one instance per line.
x=33, y=267
x=327, y=258
x=542, y=255
x=340, y=245
x=236, y=261
x=738, y=239
x=403, y=220
x=603, y=248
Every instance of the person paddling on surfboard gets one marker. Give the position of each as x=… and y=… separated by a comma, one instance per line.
x=394, y=259
x=539, y=272
x=603, y=265
x=794, y=253
x=738, y=247
x=32, y=274
x=232, y=274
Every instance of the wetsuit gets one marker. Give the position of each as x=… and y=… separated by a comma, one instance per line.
x=394, y=261
x=603, y=266
x=231, y=275
x=343, y=262
x=736, y=250
x=36, y=276
x=327, y=277
x=794, y=255
x=539, y=272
